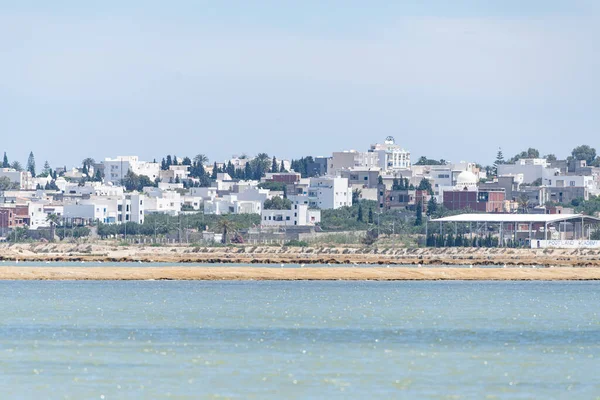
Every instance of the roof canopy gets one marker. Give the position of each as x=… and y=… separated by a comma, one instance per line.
x=522, y=218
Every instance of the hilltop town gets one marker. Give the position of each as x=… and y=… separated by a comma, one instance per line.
x=360, y=196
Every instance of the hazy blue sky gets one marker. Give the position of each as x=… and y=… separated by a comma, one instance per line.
x=452, y=79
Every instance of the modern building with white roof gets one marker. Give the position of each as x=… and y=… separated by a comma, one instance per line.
x=521, y=226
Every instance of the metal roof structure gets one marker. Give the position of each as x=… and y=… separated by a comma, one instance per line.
x=519, y=218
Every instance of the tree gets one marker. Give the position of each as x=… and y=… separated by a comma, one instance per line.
x=380, y=180
x=499, y=161
x=248, y=172
x=215, y=171
x=584, y=152
x=201, y=159
x=432, y=206
x=550, y=157
x=230, y=169
x=5, y=163
x=31, y=164
x=88, y=162
x=131, y=181
x=356, y=193
x=419, y=219
x=226, y=226
x=274, y=165
x=523, y=202
x=370, y=217
x=426, y=161
x=282, y=167
x=5, y=183
x=425, y=185
x=277, y=203
x=17, y=166
x=359, y=218
x=530, y=153
x=169, y=162
x=46, y=171
x=98, y=175
x=260, y=164
x=370, y=237
x=186, y=161
x=53, y=219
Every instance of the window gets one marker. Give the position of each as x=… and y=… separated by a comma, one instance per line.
x=572, y=183
x=366, y=178
x=287, y=218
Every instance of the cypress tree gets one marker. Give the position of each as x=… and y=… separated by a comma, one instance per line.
x=274, y=165
x=31, y=164
x=359, y=218
x=370, y=216
x=419, y=218
x=282, y=167
x=248, y=172
x=5, y=163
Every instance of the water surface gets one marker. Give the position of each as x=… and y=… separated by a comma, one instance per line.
x=187, y=340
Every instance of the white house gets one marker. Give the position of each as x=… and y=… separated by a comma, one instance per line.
x=391, y=156
x=329, y=193
x=108, y=209
x=175, y=173
x=162, y=201
x=116, y=169
x=532, y=169
x=299, y=215
x=22, y=179
x=346, y=160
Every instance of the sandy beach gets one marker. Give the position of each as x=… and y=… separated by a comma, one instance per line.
x=308, y=273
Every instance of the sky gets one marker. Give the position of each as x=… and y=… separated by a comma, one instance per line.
x=453, y=80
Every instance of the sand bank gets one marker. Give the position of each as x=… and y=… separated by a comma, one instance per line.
x=245, y=254
x=308, y=273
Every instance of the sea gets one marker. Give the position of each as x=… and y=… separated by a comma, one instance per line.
x=299, y=340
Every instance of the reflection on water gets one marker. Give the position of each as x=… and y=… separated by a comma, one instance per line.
x=299, y=339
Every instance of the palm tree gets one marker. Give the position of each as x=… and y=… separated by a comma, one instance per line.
x=523, y=202
x=53, y=219
x=201, y=159
x=227, y=226
x=88, y=162
x=17, y=165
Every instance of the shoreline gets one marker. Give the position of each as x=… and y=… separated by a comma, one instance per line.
x=13, y=273
x=334, y=255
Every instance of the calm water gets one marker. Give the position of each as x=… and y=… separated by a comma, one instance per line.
x=439, y=340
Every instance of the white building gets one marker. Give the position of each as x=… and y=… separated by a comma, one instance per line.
x=299, y=215
x=93, y=188
x=324, y=193
x=162, y=201
x=391, y=156
x=347, y=160
x=175, y=173
x=250, y=201
x=532, y=169
x=107, y=209
x=21, y=179
x=116, y=169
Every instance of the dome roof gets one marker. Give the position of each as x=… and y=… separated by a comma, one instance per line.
x=466, y=178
